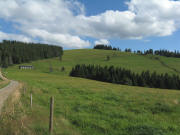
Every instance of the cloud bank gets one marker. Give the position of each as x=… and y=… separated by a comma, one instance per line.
x=64, y=22
x=102, y=41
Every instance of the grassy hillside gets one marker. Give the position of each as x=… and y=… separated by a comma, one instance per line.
x=87, y=107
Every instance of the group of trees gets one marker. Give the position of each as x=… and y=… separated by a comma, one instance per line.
x=105, y=47
x=14, y=52
x=126, y=77
x=165, y=53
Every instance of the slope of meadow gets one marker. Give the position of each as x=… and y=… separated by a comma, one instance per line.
x=87, y=107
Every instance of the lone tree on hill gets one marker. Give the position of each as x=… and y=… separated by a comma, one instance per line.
x=108, y=58
x=63, y=69
x=50, y=68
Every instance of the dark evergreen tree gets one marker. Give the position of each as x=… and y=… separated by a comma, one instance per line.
x=126, y=77
x=63, y=69
x=104, y=47
x=165, y=53
x=14, y=52
x=108, y=58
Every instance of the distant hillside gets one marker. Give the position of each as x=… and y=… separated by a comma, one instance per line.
x=162, y=52
x=134, y=62
x=89, y=107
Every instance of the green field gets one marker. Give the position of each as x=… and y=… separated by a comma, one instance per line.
x=3, y=84
x=87, y=107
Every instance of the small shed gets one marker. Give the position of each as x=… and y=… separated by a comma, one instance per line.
x=26, y=67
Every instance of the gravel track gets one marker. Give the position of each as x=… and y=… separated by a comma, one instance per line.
x=6, y=91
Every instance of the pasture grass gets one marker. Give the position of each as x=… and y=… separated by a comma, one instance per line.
x=4, y=83
x=88, y=107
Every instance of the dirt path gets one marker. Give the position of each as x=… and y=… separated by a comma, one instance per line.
x=164, y=64
x=2, y=77
x=6, y=91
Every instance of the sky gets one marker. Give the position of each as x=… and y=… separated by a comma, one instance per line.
x=135, y=24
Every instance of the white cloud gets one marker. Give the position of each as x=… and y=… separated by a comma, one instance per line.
x=64, y=22
x=52, y=20
x=102, y=41
x=61, y=39
x=14, y=37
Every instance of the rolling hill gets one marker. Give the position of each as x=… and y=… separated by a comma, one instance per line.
x=87, y=107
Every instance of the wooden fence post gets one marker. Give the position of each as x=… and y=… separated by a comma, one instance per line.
x=51, y=115
x=31, y=100
x=24, y=90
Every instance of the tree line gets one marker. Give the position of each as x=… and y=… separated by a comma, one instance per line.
x=106, y=47
x=14, y=52
x=165, y=53
x=123, y=76
x=162, y=52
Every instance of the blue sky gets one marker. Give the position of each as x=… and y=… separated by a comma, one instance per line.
x=171, y=42
x=135, y=24
x=94, y=7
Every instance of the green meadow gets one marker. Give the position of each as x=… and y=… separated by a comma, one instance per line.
x=88, y=107
x=3, y=83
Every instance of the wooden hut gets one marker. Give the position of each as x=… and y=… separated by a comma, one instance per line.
x=26, y=67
